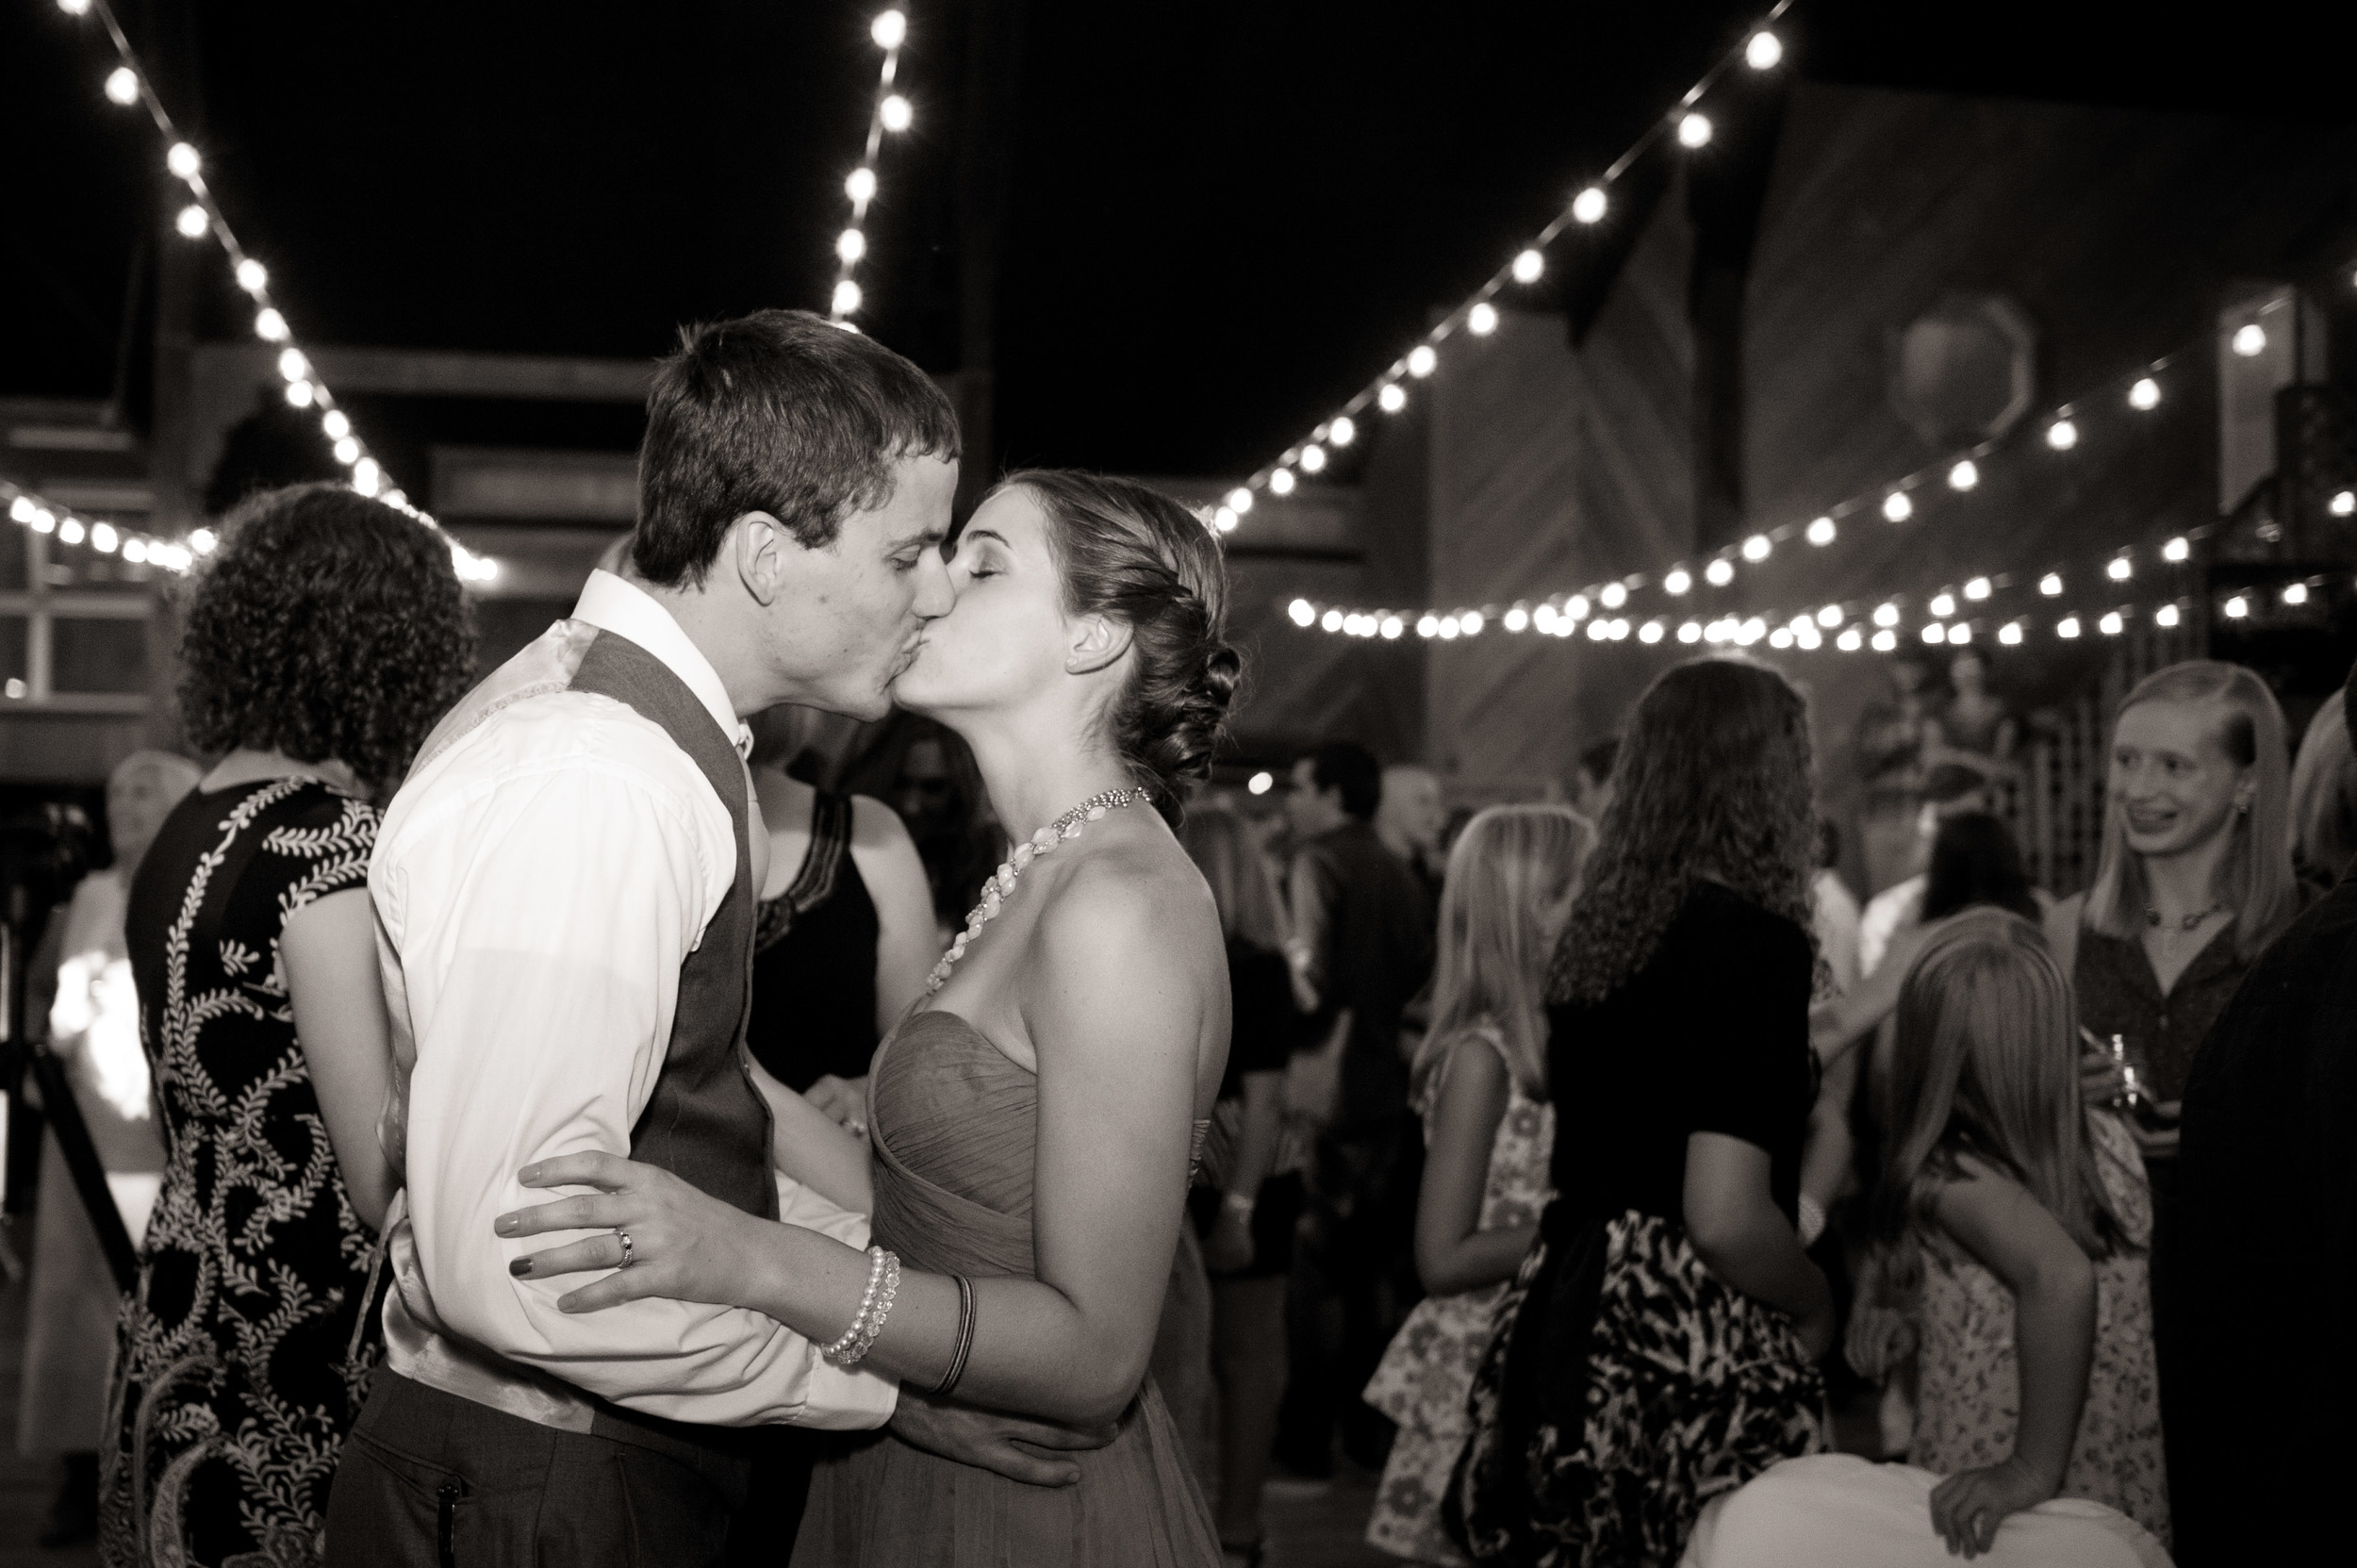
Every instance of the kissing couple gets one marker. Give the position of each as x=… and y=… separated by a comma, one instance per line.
x=619, y=1243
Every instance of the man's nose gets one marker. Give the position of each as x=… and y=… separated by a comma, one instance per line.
x=936, y=596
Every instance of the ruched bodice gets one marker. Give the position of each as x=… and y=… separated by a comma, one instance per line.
x=954, y=1126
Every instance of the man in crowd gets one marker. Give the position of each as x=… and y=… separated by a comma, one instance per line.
x=2255, y=1269
x=1952, y=790
x=1592, y=785
x=1362, y=930
x=1409, y=818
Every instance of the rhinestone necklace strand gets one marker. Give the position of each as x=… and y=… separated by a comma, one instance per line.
x=1002, y=884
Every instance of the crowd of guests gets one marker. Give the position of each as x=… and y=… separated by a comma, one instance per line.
x=1565, y=1149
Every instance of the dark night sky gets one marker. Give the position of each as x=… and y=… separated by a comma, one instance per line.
x=1223, y=216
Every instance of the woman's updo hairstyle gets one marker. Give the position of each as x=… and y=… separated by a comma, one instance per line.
x=1142, y=558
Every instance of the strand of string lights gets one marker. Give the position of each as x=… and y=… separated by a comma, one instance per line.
x=37, y=514
x=892, y=113
x=129, y=85
x=2139, y=391
x=1761, y=51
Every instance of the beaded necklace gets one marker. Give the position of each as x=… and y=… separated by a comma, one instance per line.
x=995, y=891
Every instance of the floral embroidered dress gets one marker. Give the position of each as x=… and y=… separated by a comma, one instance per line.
x=244, y=1353
x=1968, y=1399
x=1425, y=1375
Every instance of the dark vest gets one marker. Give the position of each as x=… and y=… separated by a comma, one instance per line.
x=705, y=1122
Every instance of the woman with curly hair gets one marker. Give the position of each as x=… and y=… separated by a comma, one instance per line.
x=323, y=639
x=1659, y=1344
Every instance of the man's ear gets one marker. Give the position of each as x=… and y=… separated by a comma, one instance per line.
x=757, y=545
x=1097, y=640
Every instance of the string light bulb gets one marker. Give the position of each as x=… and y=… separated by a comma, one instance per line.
x=2062, y=435
x=2344, y=504
x=1281, y=482
x=2050, y=585
x=334, y=422
x=890, y=29
x=1721, y=572
x=2250, y=339
x=1482, y=320
x=1332, y=620
x=1960, y=633
x=1393, y=398
x=1393, y=626
x=1517, y=619
x=1966, y=475
x=1225, y=520
x=1821, y=531
x=1935, y=631
x=2010, y=634
x=1312, y=458
x=1528, y=266
x=2295, y=593
x=1944, y=604
x=1612, y=596
x=896, y=113
x=1978, y=589
x=1755, y=548
x=2111, y=625
x=2067, y=627
x=270, y=326
x=347, y=451
x=103, y=539
x=849, y=246
x=2237, y=607
x=2120, y=569
x=192, y=223
x=1690, y=632
x=1302, y=612
x=123, y=86
x=253, y=276
x=1421, y=360
x=847, y=298
x=1851, y=640
x=182, y=161
x=70, y=531
x=1693, y=129
x=1470, y=623
x=2165, y=616
x=1342, y=431
x=1896, y=507
x=300, y=394
x=1885, y=614
x=861, y=186
x=1885, y=640
x=294, y=367
x=1764, y=51
x=1575, y=607
x=1677, y=581
x=2145, y=395
x=75, y=8
x=1588, y=205
x=1830, y=617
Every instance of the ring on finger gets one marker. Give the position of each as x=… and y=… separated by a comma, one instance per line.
x=629, y=1250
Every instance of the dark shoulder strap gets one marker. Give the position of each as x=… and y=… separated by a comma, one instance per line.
x=830, y=841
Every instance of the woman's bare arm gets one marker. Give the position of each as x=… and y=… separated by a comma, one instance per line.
x=1742, y=1237
x=1452, y=1252
x=328, y=952
x=807, y=1145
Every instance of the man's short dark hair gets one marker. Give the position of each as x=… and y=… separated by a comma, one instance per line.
x=1346, y=765
x=1598, y=760
x=775, y=412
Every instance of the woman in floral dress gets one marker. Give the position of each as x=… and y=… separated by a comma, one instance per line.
x=1489, y=1132
x=324, y=639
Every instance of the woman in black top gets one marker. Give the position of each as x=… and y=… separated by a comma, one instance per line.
x=1659, y=1344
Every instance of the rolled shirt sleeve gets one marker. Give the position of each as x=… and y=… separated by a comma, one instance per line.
x=540, y=917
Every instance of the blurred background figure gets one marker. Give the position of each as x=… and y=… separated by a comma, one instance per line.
x=1976, y=727
x=1889, y=743
x=1950, y=789
x=1411, y=822
x=1833, y=909
x=1362, y=947
x=93, y=1022
x=938, y=793
x=1481, y=1089
x=845, y=930
x=2324, y=797
x=1245, y=1213
x=1592, y=781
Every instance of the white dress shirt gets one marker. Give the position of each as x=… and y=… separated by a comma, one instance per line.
x=538, y=880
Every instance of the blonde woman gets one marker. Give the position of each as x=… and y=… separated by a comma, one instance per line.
x=2012, y=1226
x=1249, y=1246
x=1480, y=1081
x=2196, y=876
x=2324, y=796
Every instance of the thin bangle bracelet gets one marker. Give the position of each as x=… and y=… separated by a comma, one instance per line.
x=965, y=1337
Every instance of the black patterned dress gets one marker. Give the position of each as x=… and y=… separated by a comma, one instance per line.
x=244, y=1354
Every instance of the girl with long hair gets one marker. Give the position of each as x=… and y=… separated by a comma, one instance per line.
x=1481, y=1085
x=1034, y=1119
x=1248, y=1229
x=2196, y=877
x=2010, y=1225
x=1659, y=1343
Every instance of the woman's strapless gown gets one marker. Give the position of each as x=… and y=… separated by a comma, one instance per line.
x=954, y=1123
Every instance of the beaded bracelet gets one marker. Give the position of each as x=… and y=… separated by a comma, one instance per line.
x=873, y=1325
x=876, y=1256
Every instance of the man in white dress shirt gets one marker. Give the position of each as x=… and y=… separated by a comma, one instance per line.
x=564, y=890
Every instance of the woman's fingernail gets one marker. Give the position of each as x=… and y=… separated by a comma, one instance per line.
x=520, y=1267
x=528, y=1174
x=503, y=1224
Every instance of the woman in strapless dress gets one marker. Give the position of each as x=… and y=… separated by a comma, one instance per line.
x=1034, y=1120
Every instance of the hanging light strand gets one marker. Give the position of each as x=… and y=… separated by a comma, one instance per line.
x=890, y=114
x=1760, y=50
x=37, y=514
x=2130, y=394
x=128, y=85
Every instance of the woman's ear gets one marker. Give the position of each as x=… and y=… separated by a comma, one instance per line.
x=1097, y=640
